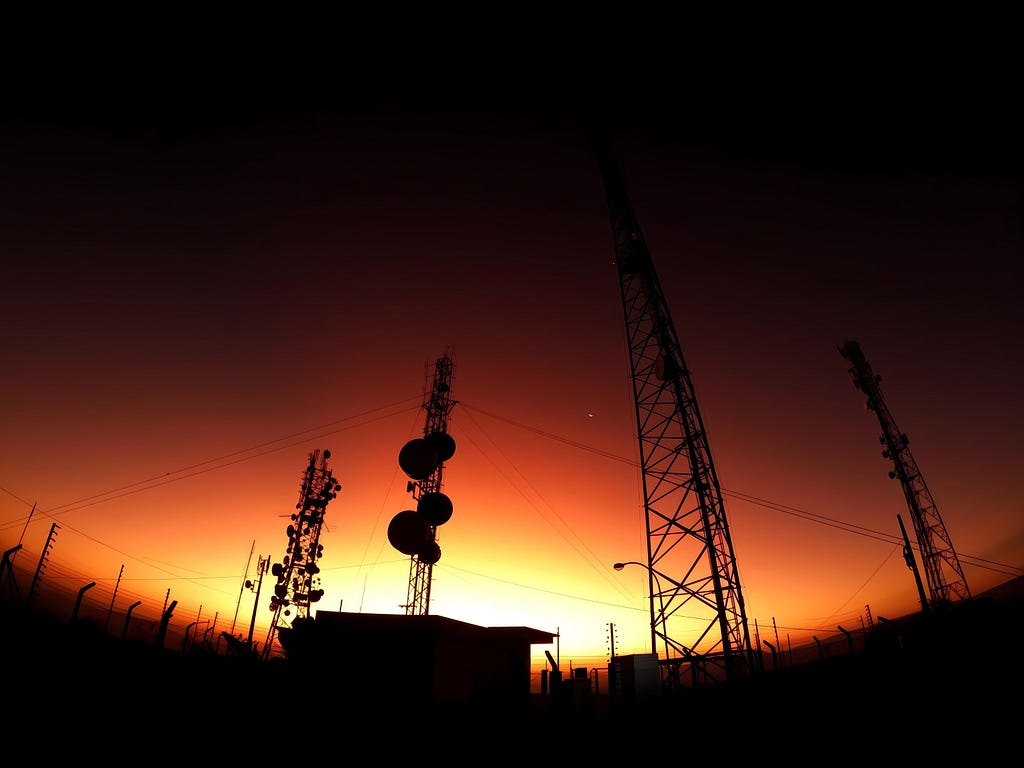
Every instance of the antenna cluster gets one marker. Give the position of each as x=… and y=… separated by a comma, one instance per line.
x=298, y=580
x=414, y=531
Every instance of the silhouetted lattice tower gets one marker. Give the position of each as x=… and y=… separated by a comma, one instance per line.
x=414, y=531
x=298, y=580
x=697, y=611
x=942, y=568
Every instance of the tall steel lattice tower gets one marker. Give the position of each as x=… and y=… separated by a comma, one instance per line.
x=298, y=580
x=942, y=568
x=697, y=612
x=414, y=531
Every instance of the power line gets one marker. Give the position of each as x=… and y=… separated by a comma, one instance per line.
x=997, y=567
x=246, y=454
x=202, y=468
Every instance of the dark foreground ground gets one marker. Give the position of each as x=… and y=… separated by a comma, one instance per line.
x=929, y=690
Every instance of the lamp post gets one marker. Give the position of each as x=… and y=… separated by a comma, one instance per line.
x=650, y=591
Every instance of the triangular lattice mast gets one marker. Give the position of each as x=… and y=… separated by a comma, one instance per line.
x=941, y=565
x=697, y=613
x=415, y=531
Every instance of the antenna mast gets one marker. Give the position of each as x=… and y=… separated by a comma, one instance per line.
x=298, y=582
x=941, y=565
x=414, y=531
x=697, y=611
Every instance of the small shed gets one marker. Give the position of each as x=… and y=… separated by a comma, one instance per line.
x=414, y=659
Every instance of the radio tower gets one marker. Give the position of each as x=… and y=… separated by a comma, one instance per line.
x=414, y=531
x=697, y=612
x=942, y=568
x=298, y=582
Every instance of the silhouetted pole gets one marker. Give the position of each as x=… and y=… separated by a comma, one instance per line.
x=113, y=597
x=556, y=675
x=778, y=642
x=21, y=538
x=759, y=655
x=128, y=617
x=43, y=558
x=245, y=580
x=261, y=568
x=164, y=620
x=7, y=565
x=78, y=601
x=849, y=637
x=614, y=683
x=908, y=556
x=775, y=661
x=821, y=655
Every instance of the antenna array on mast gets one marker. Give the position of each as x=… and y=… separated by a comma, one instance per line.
x=414, y=531
x=942, y=569
x=298, y=580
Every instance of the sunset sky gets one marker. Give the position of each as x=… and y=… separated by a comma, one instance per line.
x=199, y=291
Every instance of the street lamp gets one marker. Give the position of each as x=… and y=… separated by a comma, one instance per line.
x=650, y=579
x=620, y=566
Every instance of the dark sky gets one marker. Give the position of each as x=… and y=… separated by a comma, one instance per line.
x=935, y=94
